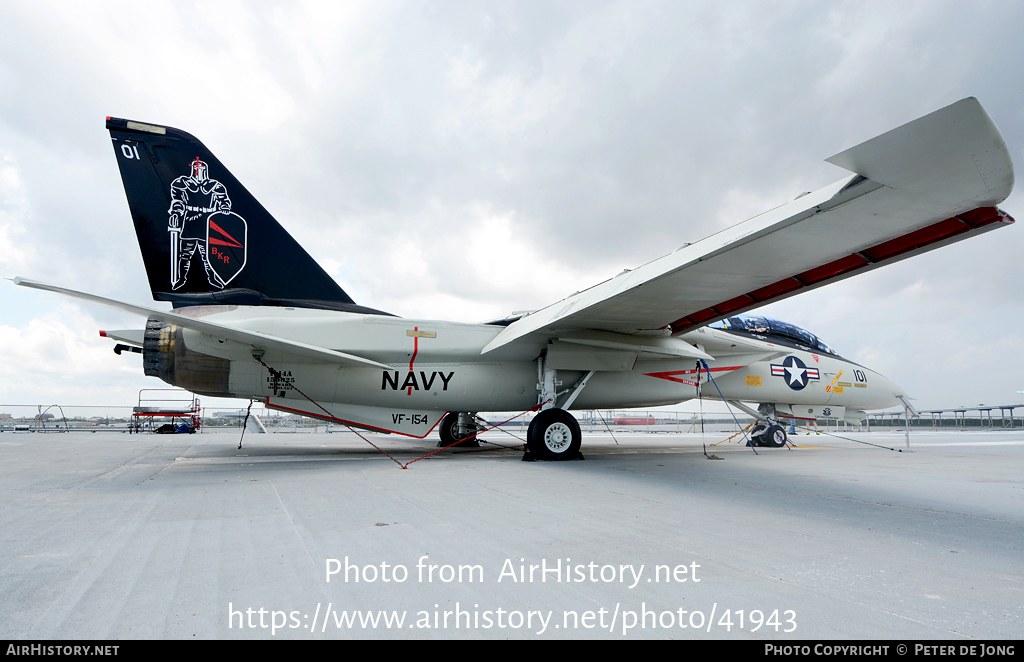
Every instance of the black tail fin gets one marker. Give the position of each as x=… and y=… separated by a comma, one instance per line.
x=204, y=238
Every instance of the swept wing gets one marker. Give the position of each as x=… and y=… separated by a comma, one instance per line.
x=923, y=185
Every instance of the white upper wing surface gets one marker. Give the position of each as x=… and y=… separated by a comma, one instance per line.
x=923, y=185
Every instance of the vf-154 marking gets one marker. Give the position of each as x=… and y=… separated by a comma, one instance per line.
x=258, y=318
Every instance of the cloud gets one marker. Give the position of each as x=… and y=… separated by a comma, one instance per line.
x=465, y=160
x=16, y=252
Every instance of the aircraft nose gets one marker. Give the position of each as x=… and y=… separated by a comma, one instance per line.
x=886, y=391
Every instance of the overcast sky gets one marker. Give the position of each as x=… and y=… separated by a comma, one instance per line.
x=460, y=160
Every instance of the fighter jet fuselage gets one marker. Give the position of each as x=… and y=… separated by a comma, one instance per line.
x=257, y=318
x=434, y=367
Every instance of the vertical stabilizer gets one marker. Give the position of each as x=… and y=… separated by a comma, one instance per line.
x=204, y=238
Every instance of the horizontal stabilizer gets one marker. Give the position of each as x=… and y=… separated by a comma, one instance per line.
x=135, y=337
x=256, y=340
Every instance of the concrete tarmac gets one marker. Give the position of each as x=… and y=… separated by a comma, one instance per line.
x=108, y=535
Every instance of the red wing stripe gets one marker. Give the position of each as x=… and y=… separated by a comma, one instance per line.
x=944, y=230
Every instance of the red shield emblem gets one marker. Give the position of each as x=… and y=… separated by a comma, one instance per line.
x=225, y=243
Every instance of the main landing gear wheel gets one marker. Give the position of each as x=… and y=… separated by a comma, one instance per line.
x=554, y=434
x=450, y=433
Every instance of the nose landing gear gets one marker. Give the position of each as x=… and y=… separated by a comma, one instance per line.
x=771, y=435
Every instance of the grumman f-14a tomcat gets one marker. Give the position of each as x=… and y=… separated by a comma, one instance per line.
x=255, y=317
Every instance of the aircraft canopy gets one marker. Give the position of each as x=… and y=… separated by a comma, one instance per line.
x=767, y=327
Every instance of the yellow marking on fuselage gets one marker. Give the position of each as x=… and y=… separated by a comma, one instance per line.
x=836, y=389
